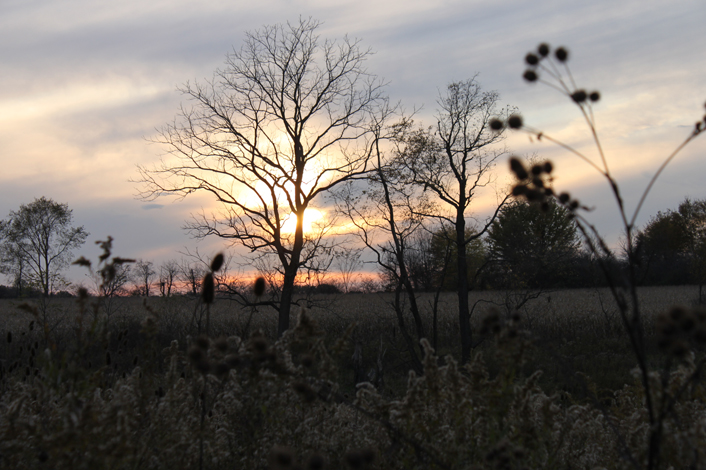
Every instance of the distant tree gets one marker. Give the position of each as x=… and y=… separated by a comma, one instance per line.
x=144, y=276
x=347, y=261
x=533, y=245
x=672, y=246
x=191, y=272
x=290, y=117
x=168, y=275
x=36, y=243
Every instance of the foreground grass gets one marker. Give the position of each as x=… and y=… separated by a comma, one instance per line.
x=142, y=388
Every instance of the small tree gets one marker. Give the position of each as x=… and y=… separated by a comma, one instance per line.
x=168, y=275
x=37, y=242
x=144, y=275
x=453, y=161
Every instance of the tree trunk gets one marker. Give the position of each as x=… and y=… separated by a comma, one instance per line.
x=464, y=317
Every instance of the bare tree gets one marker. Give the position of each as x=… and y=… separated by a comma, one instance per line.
x=192, y=273
x=168, y=275
x=144, y=275
x=387, y=215
x=347, y=261
x=286, y=120
x=453, y=162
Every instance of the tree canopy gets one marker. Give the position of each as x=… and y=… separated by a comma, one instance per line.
x=36, y=243
x=533, y=244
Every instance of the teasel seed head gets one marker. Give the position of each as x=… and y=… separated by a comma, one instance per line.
x=203, y=342
x=579, y=96
x=208, y=291
x=217, y=262
x=281, y=457
x=561, y=54
x=531, y=59
x=496, y=124
x=259, y=286
x=518, y=168
x=316, y=462
x=514, y=121
x=543, y=49
x=530, y=75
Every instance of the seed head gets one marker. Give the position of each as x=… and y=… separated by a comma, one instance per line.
x=281, y=457
x=579, y=96
x=531, y=59
x=203, y=342
x=564, y=198
x=537, y=169
x=514, y=121
x=518, y=168
x=594, y=96
x=548, y=167
x=222, y=344
x=259, y=287
x=519, y=190
x=530, y=75
x=561, y=54
x=543, y=49
x=496, y=124
x=208, y=289
x=217, y=262
x=316, y=462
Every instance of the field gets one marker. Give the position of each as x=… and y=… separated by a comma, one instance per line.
x=145, y=388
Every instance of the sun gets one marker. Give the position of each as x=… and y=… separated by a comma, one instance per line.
x=313, y=219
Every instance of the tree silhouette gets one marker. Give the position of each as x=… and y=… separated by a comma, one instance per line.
x=288, y=118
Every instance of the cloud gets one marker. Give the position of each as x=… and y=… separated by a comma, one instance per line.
x=148, y=207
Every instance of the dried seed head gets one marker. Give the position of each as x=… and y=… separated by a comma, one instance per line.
x=594, y=96
x=354, y=459
x=496, y=124
x=519, y=190
x=543, y=49
x=203, y=342
x=208, y=291
x=233, y=360
x=316, y=462
x=281, y=457
x=548, y=167
x=531, y=59
x=537, y=169
x=217, y=262
x=259, y=287
x=220, y=369
x=579, y=96
x=561, y=54
x=518, y=168
x=564, y=198
x=307, y=360
x=306, y=392
x=196, y=354
x=258, y=343
x=530, y=75
x=514, y=121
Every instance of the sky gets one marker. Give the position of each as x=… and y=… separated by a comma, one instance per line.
x=85, y=85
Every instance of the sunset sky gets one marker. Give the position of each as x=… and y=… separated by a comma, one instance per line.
x=85, y=85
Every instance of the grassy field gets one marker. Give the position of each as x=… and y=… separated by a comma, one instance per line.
x=143, y=387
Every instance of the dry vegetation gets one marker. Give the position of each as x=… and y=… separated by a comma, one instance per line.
x=552, y=387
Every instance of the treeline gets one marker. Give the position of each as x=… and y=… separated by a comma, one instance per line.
x=530, y=248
